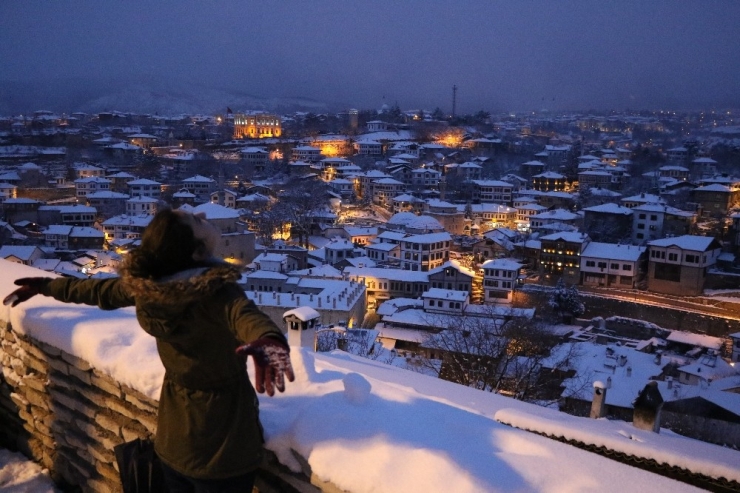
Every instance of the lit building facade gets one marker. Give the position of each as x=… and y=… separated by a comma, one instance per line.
x=256, y=126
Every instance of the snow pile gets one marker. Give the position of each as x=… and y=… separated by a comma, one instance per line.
x=369, y=427
x=20, y=475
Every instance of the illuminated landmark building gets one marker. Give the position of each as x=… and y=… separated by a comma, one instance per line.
x=256, y=126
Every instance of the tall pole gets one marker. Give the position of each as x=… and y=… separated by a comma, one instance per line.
x=454, y=100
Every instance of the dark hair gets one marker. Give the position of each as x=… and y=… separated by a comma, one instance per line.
x=167, y=246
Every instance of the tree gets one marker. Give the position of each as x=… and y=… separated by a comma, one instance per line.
x=493, y=352
x=300, y=203
x=566, y=301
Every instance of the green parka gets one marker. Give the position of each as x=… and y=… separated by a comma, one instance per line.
x=208, y=423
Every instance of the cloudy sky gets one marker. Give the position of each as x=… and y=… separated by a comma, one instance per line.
x=503, y=56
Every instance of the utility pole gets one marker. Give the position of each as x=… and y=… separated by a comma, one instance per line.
x=454, y=100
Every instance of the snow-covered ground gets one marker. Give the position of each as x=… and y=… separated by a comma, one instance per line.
x=20, y=475
x=369, y=427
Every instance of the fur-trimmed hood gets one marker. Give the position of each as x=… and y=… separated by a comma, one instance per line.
x=182, y=287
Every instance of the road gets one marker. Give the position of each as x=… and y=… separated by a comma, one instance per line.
x=699, y=304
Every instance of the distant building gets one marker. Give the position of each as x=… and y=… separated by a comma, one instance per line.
x=679, y=265
x=499, y=280
x=256, y=126
x=561, y=255
x=612, y=264
x=496, y=191
x=653, y=221
x=424, y=252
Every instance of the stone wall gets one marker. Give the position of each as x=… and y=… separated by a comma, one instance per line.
x=65, y=415
x=669, y=318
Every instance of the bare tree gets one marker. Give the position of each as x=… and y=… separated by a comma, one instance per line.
x=300, y=203
x=490, y=352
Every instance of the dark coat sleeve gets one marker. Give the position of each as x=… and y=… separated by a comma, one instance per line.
x=247, y=321
x=107, y=294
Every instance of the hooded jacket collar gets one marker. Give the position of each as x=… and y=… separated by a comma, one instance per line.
x=182, y=287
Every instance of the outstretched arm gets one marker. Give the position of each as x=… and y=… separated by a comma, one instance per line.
x=265, y=343
x=107, y=294
x=29, y=287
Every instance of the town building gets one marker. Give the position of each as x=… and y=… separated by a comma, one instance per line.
x=679, y=265
x=500, y=279
x=424, y=252
x=613, y=265
x=494, y=191
x=560, y=256
x=654, y=221
x=256, y=125
x=144, y=187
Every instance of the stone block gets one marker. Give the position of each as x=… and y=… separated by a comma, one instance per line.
x=93, y=395
x=83, y=376
x=78, y=363
x=49, y=458
x=42, y=428
x=110, y=441
x=49, y=349
x=35, y=382
x=79, y=442
x=37, y=365
x=32, y=350
x=102, y=486
x=20, y=401
x=11, y=377
x=25, y=415
x=59, y=365
x=88, y=428
x=59, y=380
x=150, y=422
x=10, y=348
x=121, y=408
x=63, y=415
x=99, y=454
x=132, y=433
x=105, y=383
x=109, y=422
x=74, y=403
x=18, y=366
x=29, y=427
x=144, y=405
x=48, y=442
x=37, y=399
x=79, y=466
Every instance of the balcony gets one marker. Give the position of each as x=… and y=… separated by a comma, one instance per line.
x=346, y=423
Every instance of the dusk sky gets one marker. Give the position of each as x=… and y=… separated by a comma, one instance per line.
x=503, y=56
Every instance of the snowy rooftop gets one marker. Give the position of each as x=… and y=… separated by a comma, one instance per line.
x=216, y=211
x=687, y=242
x=429, y=238
x=390, y=274
x=613, y=251
x=448, y=294
x=502, y=263
x=365, y=426
x=610, y=208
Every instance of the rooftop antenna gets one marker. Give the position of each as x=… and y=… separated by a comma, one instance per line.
x=454, y=100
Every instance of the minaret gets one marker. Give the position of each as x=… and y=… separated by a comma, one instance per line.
x=221, y=181
x=454, y=100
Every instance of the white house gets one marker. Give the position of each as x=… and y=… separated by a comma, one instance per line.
x=611, y=264
x=499, y=280
x=425, y=251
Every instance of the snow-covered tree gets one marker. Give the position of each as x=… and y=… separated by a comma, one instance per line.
x=566, y=301
x=490, y=353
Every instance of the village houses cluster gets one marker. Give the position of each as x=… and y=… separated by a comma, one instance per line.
x=388, y=220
